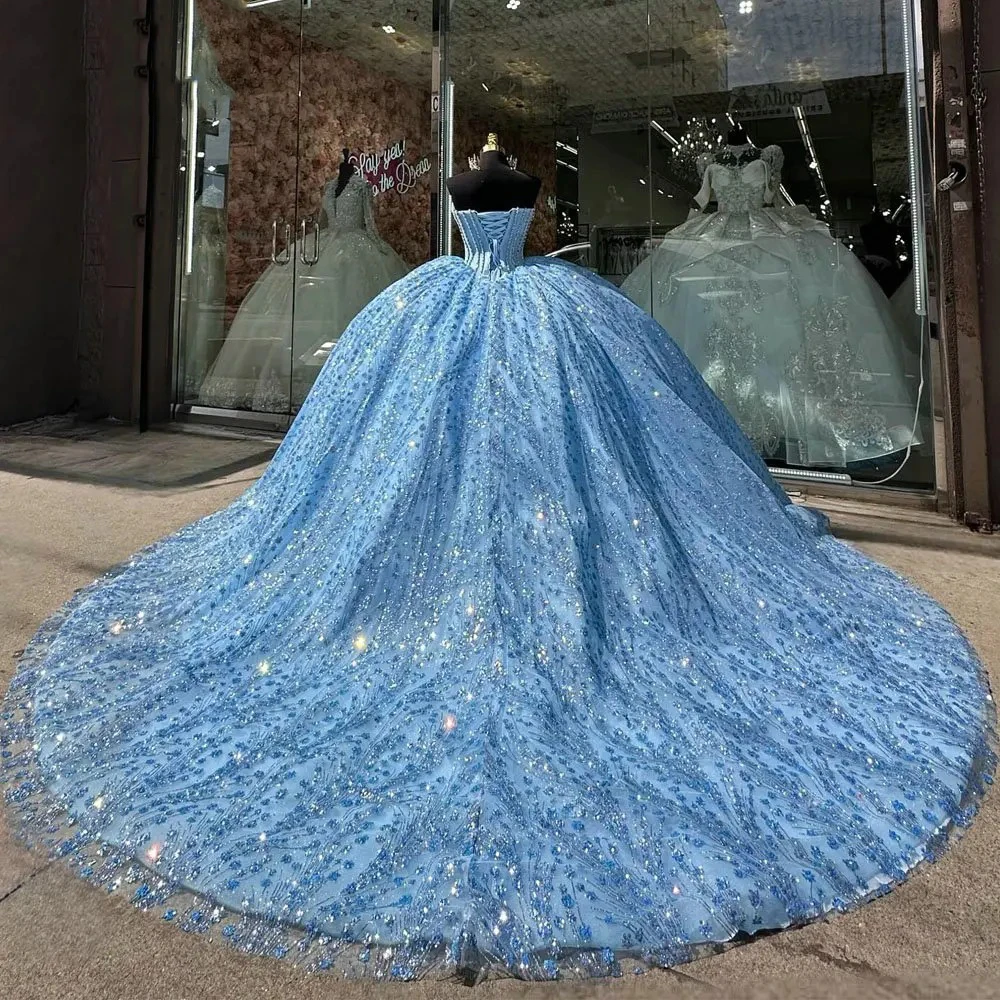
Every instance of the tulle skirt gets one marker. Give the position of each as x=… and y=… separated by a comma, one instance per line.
x=792, y=333
x=515, y=659
x=273, y=354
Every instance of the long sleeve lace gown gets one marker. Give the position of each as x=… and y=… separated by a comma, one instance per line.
x=783, y=321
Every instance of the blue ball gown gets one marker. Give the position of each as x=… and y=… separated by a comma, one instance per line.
x=514, y=660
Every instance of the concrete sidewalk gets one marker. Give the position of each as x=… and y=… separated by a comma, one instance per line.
x=74, y=502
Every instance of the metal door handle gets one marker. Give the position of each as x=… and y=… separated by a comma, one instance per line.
x=276, y=258
x=315, y=254
x=288, y=243
x=312, y=258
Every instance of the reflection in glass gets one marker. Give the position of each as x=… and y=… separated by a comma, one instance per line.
x=782, y=320
x=245, y=144
x=614, y=105
x=365, y=113
x=339, y=271
x=779, y=287
x=284, y=263
x=203, y=301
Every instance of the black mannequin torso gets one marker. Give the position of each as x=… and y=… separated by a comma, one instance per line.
x=346, y=172
x=494, y=187
x=737, y=136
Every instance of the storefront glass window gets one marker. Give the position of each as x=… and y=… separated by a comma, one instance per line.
x=741, y=169
x=308, y=130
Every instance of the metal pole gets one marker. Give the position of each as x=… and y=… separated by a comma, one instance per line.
x=442, y=127
x=918, y=219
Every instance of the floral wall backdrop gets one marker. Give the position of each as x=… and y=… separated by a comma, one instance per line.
x=344, y=105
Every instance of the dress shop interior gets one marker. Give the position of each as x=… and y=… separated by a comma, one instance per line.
x=751, y=172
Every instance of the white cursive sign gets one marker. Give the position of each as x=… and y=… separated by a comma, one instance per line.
x=389, y=171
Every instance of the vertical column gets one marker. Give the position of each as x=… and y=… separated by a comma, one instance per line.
x=114, y=207
x=43, y=123
x=160, y=264
x=983, y=34
x=965, y=417
x=442, y=127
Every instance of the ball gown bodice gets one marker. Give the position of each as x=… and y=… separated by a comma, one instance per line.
x=514, y=660
x=353, y=209
x=740, y=189
x=741, y=179
x=494, y=241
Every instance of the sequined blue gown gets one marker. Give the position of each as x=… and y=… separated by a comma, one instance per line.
x=515, y=659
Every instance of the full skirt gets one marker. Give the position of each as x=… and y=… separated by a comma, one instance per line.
x=291, y=319
x=792, y=333
x=514, y=659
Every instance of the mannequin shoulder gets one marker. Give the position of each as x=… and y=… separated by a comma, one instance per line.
x=532, y=186
x=487, y=191
x=774, y=157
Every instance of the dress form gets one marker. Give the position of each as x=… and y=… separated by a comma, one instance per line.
x=797, y=305
x=495, y=186
x=737, y=136
x=346, y=172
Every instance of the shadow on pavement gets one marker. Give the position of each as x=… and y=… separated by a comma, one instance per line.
x=105, y=454
x=957, y=540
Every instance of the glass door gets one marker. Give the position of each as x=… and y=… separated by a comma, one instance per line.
x=746, y=171
x=238, y=255
x=792, y=286
x=364, y=164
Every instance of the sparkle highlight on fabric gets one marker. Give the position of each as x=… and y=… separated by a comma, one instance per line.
x=515, y=660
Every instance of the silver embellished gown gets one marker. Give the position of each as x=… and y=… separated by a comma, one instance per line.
x=515, y=660
x=783, y=321
x=274, y=351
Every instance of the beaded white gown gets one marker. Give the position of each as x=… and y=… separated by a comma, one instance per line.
x=273, y=354
x=783, y=322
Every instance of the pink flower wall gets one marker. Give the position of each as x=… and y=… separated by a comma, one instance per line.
x=344, y=104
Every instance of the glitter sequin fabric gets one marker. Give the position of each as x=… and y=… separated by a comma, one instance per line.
x=784, y=323
x=515, y=660
x=268, y=362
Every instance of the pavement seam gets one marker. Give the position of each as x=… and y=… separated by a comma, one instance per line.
x=859, y=968
x=25, y=881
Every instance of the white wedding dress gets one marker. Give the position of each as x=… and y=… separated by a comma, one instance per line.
x=784, y=323
x=268, y=363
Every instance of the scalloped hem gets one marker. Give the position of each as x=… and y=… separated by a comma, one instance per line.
x=43, y=824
